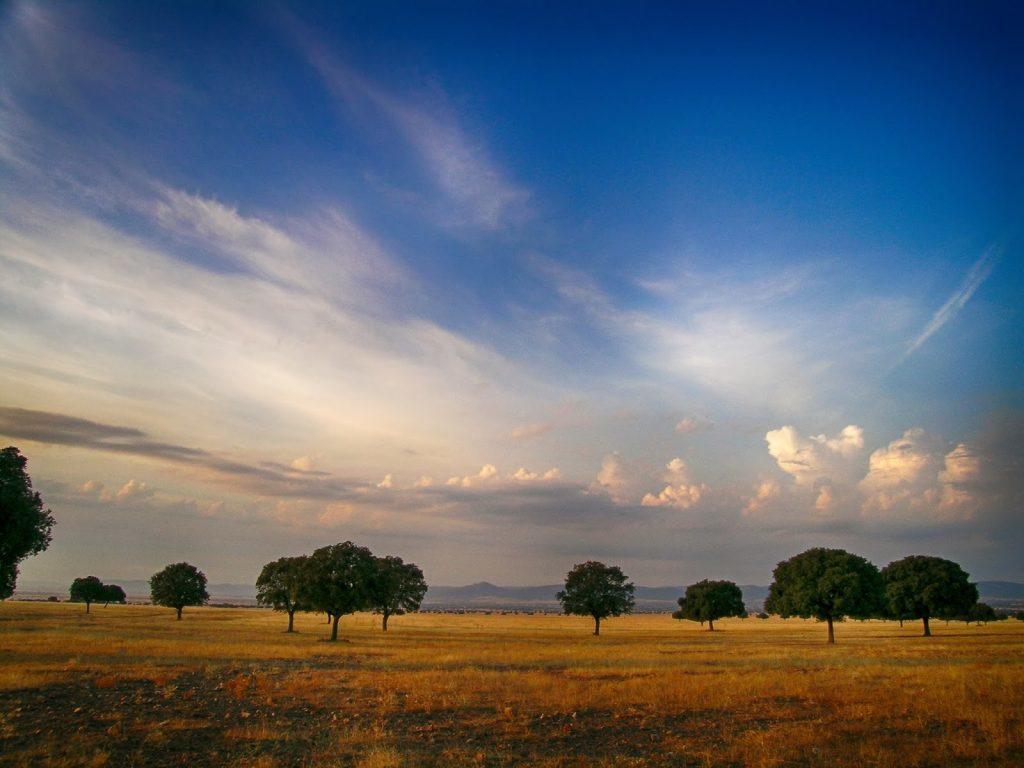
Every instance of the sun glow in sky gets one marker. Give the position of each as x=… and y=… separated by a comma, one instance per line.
x=500, y=288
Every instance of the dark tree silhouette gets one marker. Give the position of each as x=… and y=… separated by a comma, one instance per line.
x=282, y=586
x=828, y=584
x=396, y=588
x=88, y=590
x=178, y=585
x=338, y=579
x=25, y=526
x=112, y=593
x=921, y=587
x=709, y=601
x=980, y=613
x=597, y=590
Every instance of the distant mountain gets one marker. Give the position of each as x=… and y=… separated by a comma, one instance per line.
x=484, y=595
x=1004, y=590
x=138, y=589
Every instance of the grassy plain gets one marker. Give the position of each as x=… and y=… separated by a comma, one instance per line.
x=130, y=686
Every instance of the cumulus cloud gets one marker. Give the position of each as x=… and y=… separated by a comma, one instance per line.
x=767, y=491
x=133, y=489
x=913, y=478
x=817, y=457
x=693, y=424
x=387, y=482
x=680, y=492
x=303, y=464
x=616, y=479
x=425, y=481
x=524, y=475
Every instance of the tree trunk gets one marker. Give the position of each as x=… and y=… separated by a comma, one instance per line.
x=87, y=604
x=831, y=631
x=927, y=628
x=385, y=622
x=334, y=628
x=597, y=625
x=901, y=622
x=711, y=625
x=291, y=621
x=179, y=612
x=328, y=616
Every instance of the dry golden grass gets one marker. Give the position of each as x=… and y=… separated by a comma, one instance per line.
x=129, y=685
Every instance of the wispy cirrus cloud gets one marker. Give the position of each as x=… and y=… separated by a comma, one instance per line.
x=976, y=275
x=480, y=195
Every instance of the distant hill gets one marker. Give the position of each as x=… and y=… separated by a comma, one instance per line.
x=1006, y=590
x=483, y=595
x=486, y=596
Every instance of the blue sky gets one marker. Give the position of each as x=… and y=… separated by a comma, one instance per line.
x=498, y=289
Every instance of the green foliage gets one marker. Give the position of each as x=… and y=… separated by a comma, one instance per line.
x=980, y=613
x=338, y=579
x=178, y=585
x=923, y=587
x=597, y=590
x=827, y=584
x=25, y=526
x=711, y=600
x=282, y=585
x=112, y=593
x=88, y=590
x=396, y=588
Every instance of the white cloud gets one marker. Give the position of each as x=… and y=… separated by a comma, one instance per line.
x=680, y=492
x=304, y=464
x=911, y=478
x=975, y=276
x=133, y=489
x=425, y=481
x=809, y=459
x=616, y=478
x=692, y=424
x=387, y=482
x=527, y=431
x=765, y=494
x=477, y=193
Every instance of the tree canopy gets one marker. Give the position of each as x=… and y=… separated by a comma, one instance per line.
x=178, y=585
x=597, y=590
x=282, y=586
x=338, y=579
x=921, y=587
x=25, y=525
x=113, y=593
x=88, y=590
x=709, y=601
x=827, y=584
x=396, y=588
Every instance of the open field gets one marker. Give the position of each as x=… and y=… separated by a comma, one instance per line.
x=128, y=685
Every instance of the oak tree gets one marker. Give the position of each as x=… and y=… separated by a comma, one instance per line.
x=25, y=525
x=596, y=590
x=827, y=584
x=921, y=587
x=709, y=601
x=396, y=588
x=178, y=585
x=88, y=590
x=282, y=585
x=338, y=580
